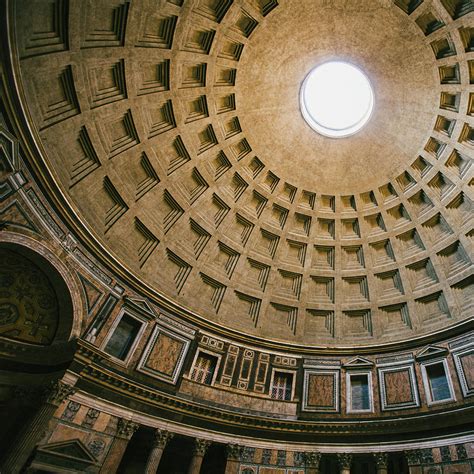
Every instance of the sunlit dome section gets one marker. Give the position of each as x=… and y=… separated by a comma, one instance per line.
x=337, y=99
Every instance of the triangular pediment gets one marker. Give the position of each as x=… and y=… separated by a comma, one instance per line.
x=431, y=351
x=142, y=305
x=358, y=362
x=73, y=449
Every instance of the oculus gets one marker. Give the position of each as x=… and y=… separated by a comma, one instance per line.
x=336, y=99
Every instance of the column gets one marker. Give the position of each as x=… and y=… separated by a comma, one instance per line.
x=381, y=461
x=233, y=458
x=345, y=461
x=160, y=440
x=312, y=460
x=413, y=458
x=37, y=428
x=200, y=448
x=125, y=430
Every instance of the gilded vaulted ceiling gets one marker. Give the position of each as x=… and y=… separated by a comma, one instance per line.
x=174, y=132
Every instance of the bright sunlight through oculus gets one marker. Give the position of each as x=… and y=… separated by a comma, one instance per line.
x=336, y=99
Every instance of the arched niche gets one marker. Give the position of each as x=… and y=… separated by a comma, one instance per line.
x=36, y=295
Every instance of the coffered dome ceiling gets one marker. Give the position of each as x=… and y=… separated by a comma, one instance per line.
x=173, y=130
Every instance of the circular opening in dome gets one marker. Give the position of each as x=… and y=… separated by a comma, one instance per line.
x=336, y=99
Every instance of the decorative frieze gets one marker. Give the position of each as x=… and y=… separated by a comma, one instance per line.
x=71, y=410
x=90, y=418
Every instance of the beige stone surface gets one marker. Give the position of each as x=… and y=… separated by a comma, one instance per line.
x=374, y=35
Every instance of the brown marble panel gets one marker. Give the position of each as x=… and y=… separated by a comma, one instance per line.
x=272, y=470
x=458, y=468
x=398, y=387
x=321, y=390
x=467, y=363
x=165, y=354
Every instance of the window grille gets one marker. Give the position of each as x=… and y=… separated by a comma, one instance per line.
x=204, y=368
x=282, y=385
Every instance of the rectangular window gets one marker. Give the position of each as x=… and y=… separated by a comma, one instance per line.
x=359, y=391
x=439, y=388
x=123, y=337
x=360, y=396
x=282, y=386
x=204, y=368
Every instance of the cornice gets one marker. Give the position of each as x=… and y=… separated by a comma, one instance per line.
x=323, y=446
x=115, y=387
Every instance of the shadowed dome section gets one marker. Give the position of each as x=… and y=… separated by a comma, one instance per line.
x=336, y=99
x=176, y=136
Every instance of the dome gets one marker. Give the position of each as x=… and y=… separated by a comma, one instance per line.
x=230, y=264
x=179, y=144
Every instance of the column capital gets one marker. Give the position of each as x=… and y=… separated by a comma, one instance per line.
x=381, y=460
x=413, y=457
x=161, y=438
x=201, y=446
x=312, y=459
x=126, y=428
x=57, y=392
x=233, y=452
x=345, y=460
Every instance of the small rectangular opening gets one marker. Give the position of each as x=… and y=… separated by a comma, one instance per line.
x=123, y=337
x=282, y=386
x=438, y=382
x=204, y=368
x=360, y=396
